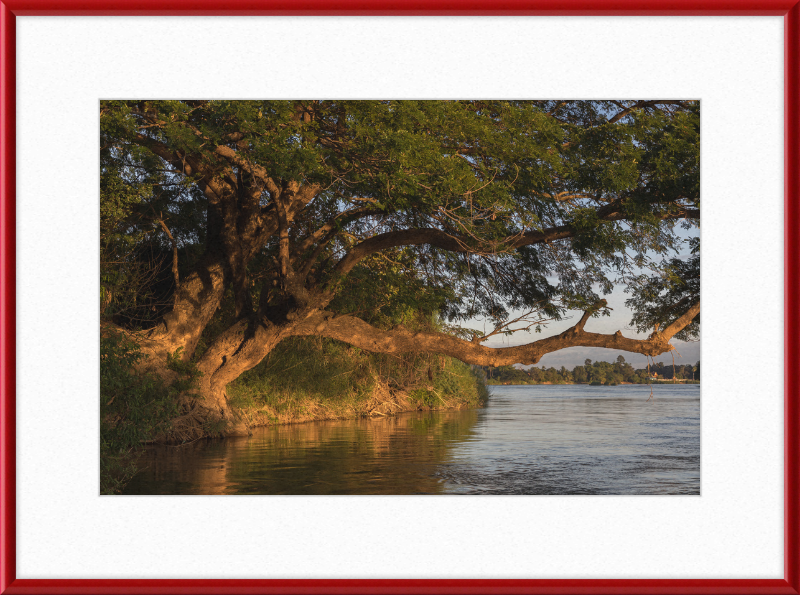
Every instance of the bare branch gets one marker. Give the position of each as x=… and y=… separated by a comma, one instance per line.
x=505, y=327
x=174, y=256
x=640, y=105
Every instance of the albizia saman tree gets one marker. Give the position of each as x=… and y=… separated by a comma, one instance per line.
x=298, y=218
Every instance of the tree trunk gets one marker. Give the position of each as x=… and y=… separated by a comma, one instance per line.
x=237, y=350
x=195, y=303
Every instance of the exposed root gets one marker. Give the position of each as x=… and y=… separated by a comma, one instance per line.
x=188, y=427
x=198, y=422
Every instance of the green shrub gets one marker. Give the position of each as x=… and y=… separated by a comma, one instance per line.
x=425, y=397
x=301, y=372
x=460, y=379
x=188, y=373
x=134, y=408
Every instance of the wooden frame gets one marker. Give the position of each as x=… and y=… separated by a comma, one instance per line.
x=789, y=9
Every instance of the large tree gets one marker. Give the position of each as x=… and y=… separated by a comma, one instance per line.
x=302, y=218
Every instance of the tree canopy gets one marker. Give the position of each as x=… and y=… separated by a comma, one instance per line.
x=235, y=224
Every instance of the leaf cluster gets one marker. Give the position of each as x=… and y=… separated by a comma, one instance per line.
x=658, y=300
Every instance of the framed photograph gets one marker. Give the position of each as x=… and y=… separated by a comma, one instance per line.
x=399, y=240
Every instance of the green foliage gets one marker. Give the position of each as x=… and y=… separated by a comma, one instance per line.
x=457, y=379
x=188, y=373
x=508, y=374
x=460, y=379
x=390, y=285
x=662, y=371
x=483, y=171
x=425, y=397
x=134, y=408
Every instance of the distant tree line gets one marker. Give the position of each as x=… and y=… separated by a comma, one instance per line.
x=594, y=373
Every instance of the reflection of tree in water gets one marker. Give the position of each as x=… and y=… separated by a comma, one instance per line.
x=392, y=455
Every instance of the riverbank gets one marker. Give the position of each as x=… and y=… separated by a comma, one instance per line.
x=381, y=400
x=302, y=380
x=313, y=380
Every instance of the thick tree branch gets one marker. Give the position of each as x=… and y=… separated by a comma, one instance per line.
x=446, y=241
x=183, y=164
x=340, y=220
x=681, y=322
x=254, y=170
x=399, y=340
x=301, y=196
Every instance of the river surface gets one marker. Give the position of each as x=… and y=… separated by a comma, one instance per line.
x=559, y=439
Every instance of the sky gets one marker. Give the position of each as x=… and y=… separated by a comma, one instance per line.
x=619, y=320
x=687, y=353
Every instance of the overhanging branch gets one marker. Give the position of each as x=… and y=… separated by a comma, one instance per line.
x=452, y=243
x=400, y=340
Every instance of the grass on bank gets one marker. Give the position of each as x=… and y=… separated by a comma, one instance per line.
x=306, y=379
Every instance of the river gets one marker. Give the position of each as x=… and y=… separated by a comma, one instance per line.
x=546, y=439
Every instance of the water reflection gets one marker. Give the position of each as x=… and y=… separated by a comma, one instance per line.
x=529, y=440
x=392, y=455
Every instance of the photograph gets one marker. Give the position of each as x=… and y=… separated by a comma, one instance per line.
x=400, y=297
x=360, y=260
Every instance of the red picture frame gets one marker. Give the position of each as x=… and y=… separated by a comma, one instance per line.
x=788, y=9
